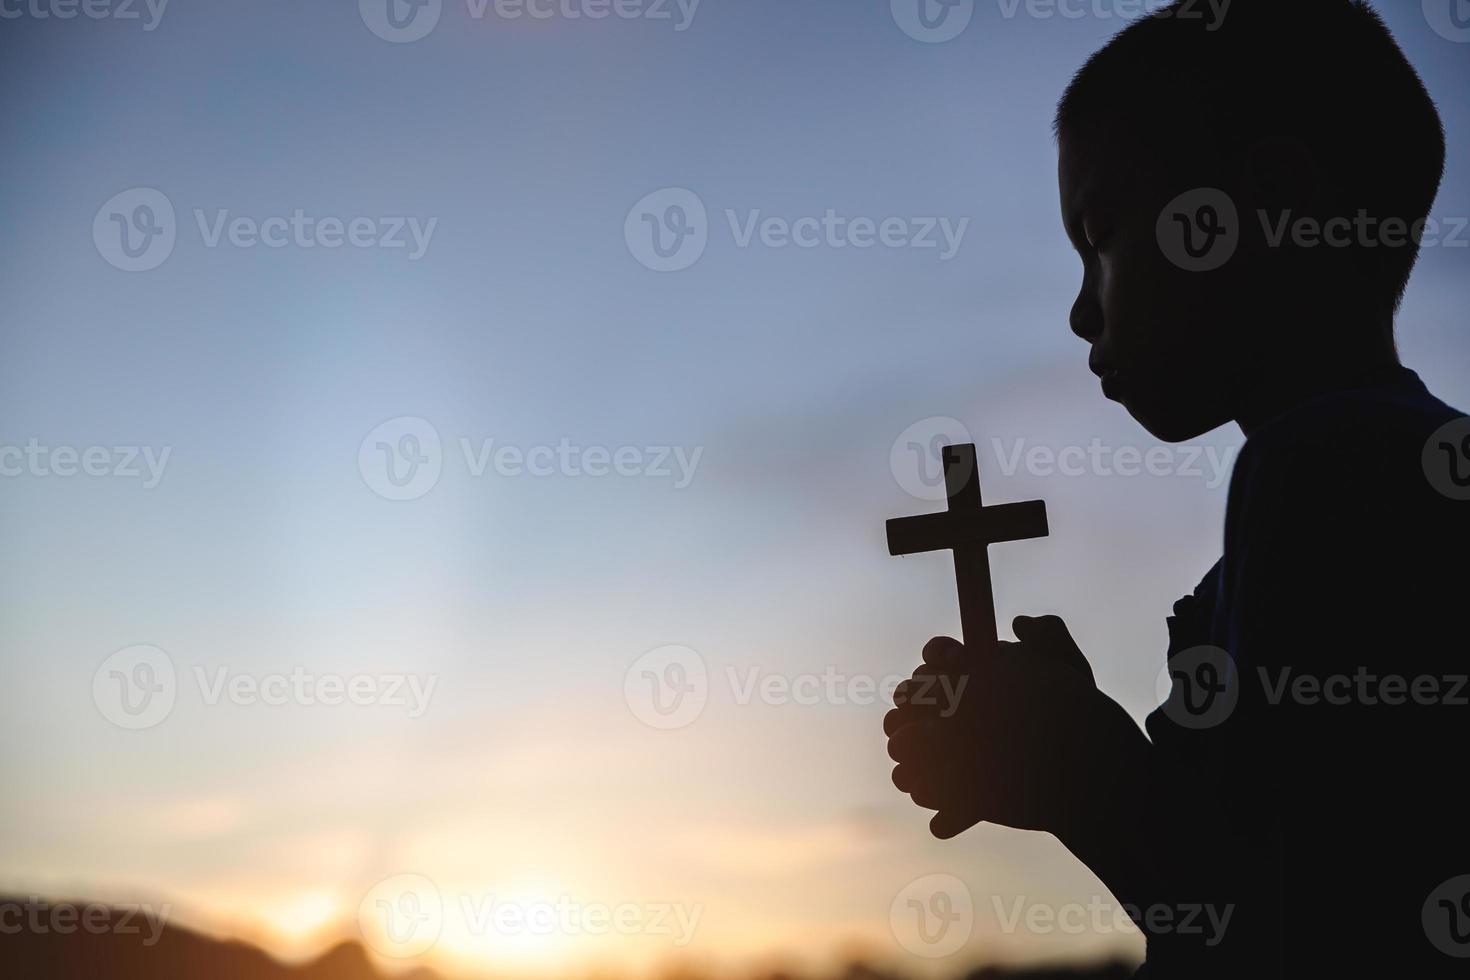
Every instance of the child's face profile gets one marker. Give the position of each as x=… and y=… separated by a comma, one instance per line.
x=1160, y=335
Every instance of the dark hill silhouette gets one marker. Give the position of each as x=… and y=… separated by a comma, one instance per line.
x=178, y=954
x=182, y=954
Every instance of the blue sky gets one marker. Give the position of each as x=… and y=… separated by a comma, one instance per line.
x=529, y=320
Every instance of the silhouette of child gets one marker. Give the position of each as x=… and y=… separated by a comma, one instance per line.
x=1247, y=194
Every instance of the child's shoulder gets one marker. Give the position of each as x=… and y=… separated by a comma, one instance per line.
x=1393, y=408
x=1344, y=455
x=1385, y=422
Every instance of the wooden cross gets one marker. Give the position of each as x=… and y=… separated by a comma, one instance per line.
x=968, y=528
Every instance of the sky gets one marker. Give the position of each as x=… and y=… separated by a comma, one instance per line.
x=389, y=518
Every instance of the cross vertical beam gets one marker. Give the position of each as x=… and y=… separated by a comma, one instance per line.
x=968, y=529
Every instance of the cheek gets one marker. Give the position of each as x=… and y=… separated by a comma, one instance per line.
x=1124, y=298
x=1153, y=310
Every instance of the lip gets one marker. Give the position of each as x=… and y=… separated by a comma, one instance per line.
x=1112, y=385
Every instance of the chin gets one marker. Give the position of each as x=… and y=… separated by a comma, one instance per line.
x=1172, y=423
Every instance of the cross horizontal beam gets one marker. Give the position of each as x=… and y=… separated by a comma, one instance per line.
x=996, y=523
x=968, y=528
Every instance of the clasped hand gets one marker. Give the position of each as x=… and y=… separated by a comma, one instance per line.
x=1020, y=736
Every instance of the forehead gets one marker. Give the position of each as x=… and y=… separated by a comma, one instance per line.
x=1081, y=172
x=1104, y=172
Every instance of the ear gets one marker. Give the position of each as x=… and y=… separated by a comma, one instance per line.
x=1281, y=173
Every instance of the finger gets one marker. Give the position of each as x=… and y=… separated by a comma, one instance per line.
x=950, y=823
x=944, y=652
x=911, y=742
x=910, y=780
x=1049, y=637
x=897, y=718
x=916, y=688
x=925, y=796
x=1042, y=630
x=908, y=714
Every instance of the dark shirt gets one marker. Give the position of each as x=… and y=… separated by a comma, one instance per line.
x=1313, y=760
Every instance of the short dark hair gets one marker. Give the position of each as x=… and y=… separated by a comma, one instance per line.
x=1324, y=72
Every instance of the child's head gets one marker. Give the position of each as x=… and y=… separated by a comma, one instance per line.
x=1244, y=186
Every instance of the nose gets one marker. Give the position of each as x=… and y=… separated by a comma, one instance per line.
x=1086, y=317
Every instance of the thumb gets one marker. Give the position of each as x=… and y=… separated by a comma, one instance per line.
x=1048, y=637
x=947, y=824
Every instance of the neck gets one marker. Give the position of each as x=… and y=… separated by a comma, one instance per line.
x=1317, y=369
